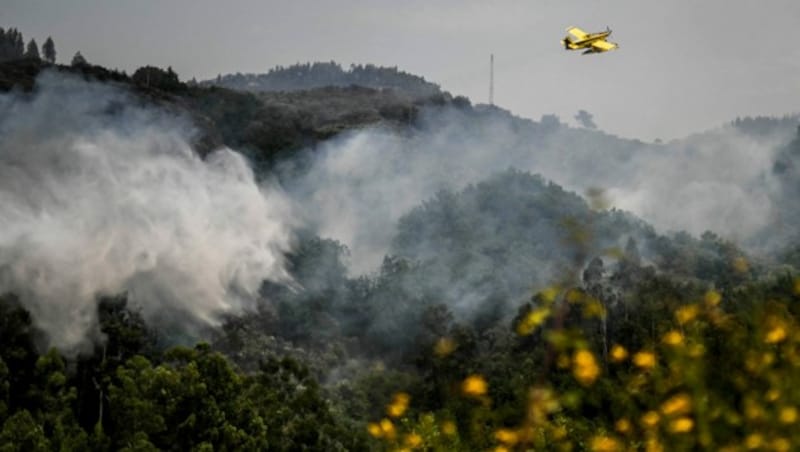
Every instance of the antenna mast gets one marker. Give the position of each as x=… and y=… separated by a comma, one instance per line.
x=491, y=79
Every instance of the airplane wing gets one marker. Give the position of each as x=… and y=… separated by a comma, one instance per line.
x=603, y=46
x=577, y=33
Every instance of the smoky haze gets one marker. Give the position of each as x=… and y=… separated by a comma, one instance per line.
x=360, y=184
x=99, y=197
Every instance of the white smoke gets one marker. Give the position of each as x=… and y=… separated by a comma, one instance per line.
x=360, y=184
x=99, y=196
x=719, y=181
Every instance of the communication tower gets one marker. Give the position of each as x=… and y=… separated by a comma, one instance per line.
x=491, y=79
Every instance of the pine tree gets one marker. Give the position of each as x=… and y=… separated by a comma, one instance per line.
x=11, y=45
x=19, y=46
x=33, y=50
x=79, y=60
x=49, y=51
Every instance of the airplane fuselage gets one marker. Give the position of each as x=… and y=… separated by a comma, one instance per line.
x=586, y=42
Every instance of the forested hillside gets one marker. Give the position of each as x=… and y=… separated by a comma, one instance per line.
x=303, y=264
x=307, y=76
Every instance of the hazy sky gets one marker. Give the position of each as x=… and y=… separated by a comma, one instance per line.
x=683, y=65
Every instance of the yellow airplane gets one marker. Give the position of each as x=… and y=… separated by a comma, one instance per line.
x=577, y=39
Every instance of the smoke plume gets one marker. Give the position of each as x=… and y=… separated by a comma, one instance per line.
x=101, y=196
x=360, y=184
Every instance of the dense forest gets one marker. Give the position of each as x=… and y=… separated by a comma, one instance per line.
x=12, y=47
x=316, y=75
x=504, y=305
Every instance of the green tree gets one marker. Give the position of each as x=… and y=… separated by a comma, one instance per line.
x=4, y=388
x=55, y=398
x=79, y=60
x=17, y=349
x=185, y=403
x=126, y=336
x=12, y=46
x=21, y=433
x=49, y=50
x=155, y=77
x=32, y=50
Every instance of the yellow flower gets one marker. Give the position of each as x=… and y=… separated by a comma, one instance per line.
x=399, y=405
x=559, y=432
x=506, y=436
x=604, y=444
x=449, y=428
x=673, y=338
x=532, y=320
x=623, y=425
x=679, y=404
x=413, y=440
x=594, y=308
x=753, y=441
x=618, y=353
x=474, y=386
x=585, y=367
x=653, y=445
x=681, y=425
x=772, y=395
x=788, y=415
x=752, y=410
x=374, y=430
x=686, y=314
x=500, y=449
x=740, y=265
x=697, y=350
x=781, y=445
x=549, y=295
x=444, y=346
x=712, y=298
x=541, y=402
x=775, y=335
x=387, y=428
x=645, y=360
x=650, y=419
x=573, y=296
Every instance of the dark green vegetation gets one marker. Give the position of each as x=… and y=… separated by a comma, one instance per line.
x=12, y=47
x=453, y=299
x=363, y=339
x=316, y=75
x=265, y=125
x=130, y=395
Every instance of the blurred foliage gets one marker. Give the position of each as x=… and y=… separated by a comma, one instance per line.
x=717, y=371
